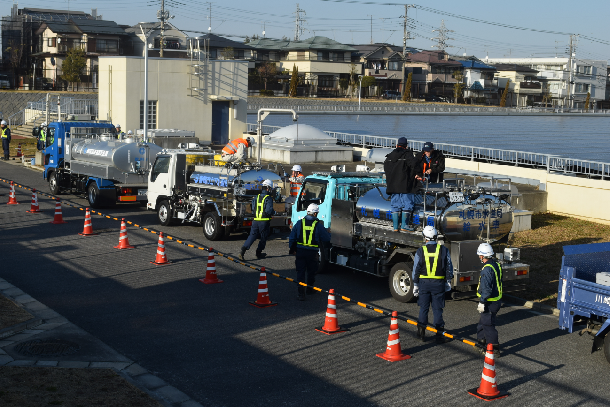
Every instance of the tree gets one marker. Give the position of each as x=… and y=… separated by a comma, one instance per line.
x=294, y=81
x=406, y=96
x=14, y=53
x=546, y=94
x=246, y=40
x=267, y=71
x=367, y=81
x=73, y=66
x=352, y=80
x=504, y=94
x=227, y=53
x=587, y=101
x=458, y=86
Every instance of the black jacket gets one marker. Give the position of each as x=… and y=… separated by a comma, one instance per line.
x=399, y=167
x=437, y=164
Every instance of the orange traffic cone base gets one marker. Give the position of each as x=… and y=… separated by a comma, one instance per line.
x=87, y=234
x=161, y=264
x=31, y=211
x=210, y=280
x=327, y=332
x=394, y=358
x=125, y=246
x=263, y=305
x=58, y=222
x=475, y=392
x=12, y=203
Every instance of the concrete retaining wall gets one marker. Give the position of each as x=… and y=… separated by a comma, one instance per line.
x=12, y=101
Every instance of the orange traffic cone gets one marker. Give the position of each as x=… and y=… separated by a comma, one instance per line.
x=262, y=300
x=19, y=151
x=393, y=353
x=12, y=199
x=123, y=240
x=58, y=216
x=161, y=257
x=488, y=390
x=210, y=275
x=34, y=206
x=331, y=326
x=88, y=229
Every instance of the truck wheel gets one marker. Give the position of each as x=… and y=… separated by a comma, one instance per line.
x=93, y=195
x=212, y=226
x=401, y=283
x=164, y=213
x=54, y=183
x=607, y=348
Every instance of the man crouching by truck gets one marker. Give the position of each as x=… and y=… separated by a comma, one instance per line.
x=304, y=241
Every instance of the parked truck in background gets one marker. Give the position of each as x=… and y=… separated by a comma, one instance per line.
x=87, y=157
x=356, y=207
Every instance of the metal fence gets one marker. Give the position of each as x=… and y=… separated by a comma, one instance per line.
x=548, y=162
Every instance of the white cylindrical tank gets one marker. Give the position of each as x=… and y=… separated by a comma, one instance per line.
x=126, y=156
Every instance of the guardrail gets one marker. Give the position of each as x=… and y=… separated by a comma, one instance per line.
x=69, y=106
x=549, y=162
x=30, y=113
x=432, y=108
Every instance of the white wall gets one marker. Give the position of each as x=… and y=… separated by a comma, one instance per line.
x=121, y=88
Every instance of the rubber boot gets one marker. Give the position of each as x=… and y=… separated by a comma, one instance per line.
x=242, y=253
x=496, y=350
x=421, y=332
x=483, y=346
x=301, y=293
x=260, y=255
x=440, y=338
x=406, y=218
x=396, y=221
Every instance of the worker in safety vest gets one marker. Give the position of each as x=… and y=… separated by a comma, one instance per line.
x=42, y=136
x=119, y=134
x=489, y=292
x=236, y=151
x=432, y=274
x=304, y=241
x=262, y=207
x=5, y=134
x=296, y=180
x=431, y=164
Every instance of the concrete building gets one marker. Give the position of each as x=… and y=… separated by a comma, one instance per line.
x=568, y=85
x=524, y=88
x=432, y=73
x=211, y=102
x=175, y=41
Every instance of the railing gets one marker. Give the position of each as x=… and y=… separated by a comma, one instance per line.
x=69, y=106
x=30, y=113
x=549, y=162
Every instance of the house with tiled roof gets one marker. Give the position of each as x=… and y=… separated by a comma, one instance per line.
x=524, y=88
x=432, y=73
x=384, y=62
x=322, y=62
x=480, y=86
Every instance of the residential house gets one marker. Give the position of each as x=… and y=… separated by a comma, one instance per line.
x=384, y=62
x=224, y=48
x=568, y=81
x=95, y=37
x=322, y=61
x=479, y=84
x=432, y=73
x=175, y=41
x=524, y=89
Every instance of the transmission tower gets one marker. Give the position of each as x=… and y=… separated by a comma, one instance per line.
x=441, y=40
x=163, y=16
x=299, y=20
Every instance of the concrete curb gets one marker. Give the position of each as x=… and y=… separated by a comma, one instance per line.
x=15, y=329
x=535, y=306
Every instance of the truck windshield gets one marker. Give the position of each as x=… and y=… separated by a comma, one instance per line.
x=313, y=192
x=161, y=167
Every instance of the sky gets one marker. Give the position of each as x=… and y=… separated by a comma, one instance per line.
x=516, y=28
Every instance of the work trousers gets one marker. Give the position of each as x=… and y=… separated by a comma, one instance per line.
x=486, y=329
x=307, y=265
x=431, y=291
x=5, y=147
x=260, y=230
x=402, y=202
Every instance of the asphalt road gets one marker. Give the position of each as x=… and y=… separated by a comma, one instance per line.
x=207, y=341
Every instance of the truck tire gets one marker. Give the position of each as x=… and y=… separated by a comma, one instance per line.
x=164, y=213
x=54, y=183
x=401, y=283
x=93, y=195
x=607, y=348
x=212, y=226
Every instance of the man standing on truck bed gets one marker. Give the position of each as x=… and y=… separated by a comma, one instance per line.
x=432, y=273
x=262, y=207
x=489, y=292
x=304, y=241
x=399, y=167
x=431, y=164
x=5, y=134
x=236, y=150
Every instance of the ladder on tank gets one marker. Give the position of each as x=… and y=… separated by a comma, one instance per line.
x=198, y=69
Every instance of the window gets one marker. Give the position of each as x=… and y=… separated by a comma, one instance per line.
x=323, y=55
x=326, y=81
x=107, y=45
x=313, y=192
x=394, y=65
x=52, y=42
x=300, y=55
x=161, y=167
x=582, y=87
x=214, y=53
x=238, y=54
x=152, y=114
x=584, y=69
x=417, y=70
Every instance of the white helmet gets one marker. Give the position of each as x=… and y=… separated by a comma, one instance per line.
x=268, y=183
x=313, y=208
x=430, y=232
x=296, y=168
x=118, y=126
x=44, y=124
x=485, y=250
x=3, y=122
x=130, y=133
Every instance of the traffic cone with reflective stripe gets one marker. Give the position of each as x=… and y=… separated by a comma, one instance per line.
x=210, y=275
x=12, y=199
x=34, y=206
x=488, y=390
x=161, y=257
x=393, y=353
x=262, y=300
x=58, y=218
x=19, y=151
x=123, y=240
x=331, y=325
x=88, y=229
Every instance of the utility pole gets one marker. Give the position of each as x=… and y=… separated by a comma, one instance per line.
x=441, y=40
x=571, y=51
x=299, y=20
x=209, y=3
x=163, y=16
x=371, y=27
x=405, y=36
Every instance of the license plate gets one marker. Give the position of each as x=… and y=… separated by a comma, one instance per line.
x=143, y=192
x=456, y=197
